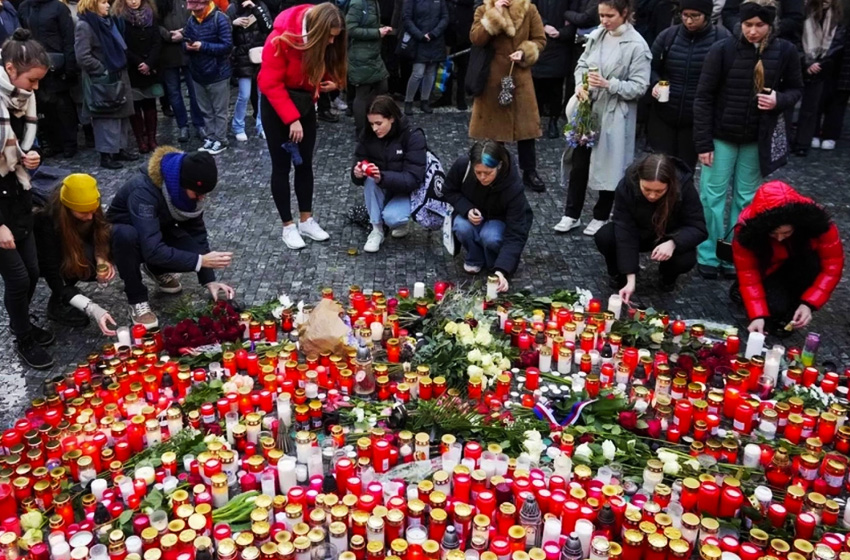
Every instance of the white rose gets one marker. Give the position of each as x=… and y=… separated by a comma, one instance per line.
x=483, y=338
x=657, y=337
x=474, y=370
x=486, y=360
x=464, y=329
x=583, y=451
x=229, y=387
x=667, y=456
x=467, y=340
x=474, y=355
x=693, y=464
x=450, y=328
x=657, y=323
x=504, y=363
x=672, y=468
x=609, y=450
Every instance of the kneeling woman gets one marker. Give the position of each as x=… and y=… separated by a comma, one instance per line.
x=390, y=165
x=492, y=216
x=788, y=258
x=656, y=208
x=72, y=236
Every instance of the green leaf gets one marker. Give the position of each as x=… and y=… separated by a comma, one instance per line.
x=642, y=425
x=125, y=517
x=616, y=430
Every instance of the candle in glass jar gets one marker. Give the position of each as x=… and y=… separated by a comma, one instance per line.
x=755, y=345
x=419, y=290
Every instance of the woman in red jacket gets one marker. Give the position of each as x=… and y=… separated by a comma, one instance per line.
x=305, y=54
x=788, y=258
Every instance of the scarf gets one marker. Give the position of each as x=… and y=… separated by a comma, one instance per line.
x=17, y=102
x=818, y=35
x=113, y=45
x=141, y=17
x=180, y=206
x=207, y=11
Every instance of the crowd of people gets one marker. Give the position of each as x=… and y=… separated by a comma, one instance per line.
x=712, y=89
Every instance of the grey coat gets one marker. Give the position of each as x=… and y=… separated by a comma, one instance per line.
x=171, y=54
x=615, y=107
x=89, y=56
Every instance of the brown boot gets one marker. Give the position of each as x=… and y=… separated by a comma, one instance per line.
x=138, y=125
x=150, y=127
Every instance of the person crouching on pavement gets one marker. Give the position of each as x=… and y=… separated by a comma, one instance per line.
x=158, y=227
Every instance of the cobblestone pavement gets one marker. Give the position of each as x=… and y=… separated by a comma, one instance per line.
x=241, y=217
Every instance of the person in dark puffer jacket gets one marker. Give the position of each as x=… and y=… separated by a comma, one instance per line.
x=251, y=25
x=397, y=155
x=554, y=62
x=425, y=21
x=788, y=258
x=677, y=57
x=742, y=79
x=209, y=41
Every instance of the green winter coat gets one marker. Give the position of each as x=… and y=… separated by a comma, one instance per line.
x=363, y=24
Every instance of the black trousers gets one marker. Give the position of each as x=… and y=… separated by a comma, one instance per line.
x=60, y=119
x=835, y=106
x=680, y=263
x=810, y=108
x=784, y=288
x=19, y=270
x=527, y=154
x=577, y=189
x=363, y=96
x=550, y=96
x=671, y=140
x=277, y=134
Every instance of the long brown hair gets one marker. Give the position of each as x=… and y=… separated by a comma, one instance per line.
x=75, y=263
x=661, y=168
x=120, y=8
x=319, y=56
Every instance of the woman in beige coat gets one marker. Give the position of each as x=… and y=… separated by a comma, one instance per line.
x=514, y=31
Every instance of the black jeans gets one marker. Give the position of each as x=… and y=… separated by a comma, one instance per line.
x=671, y=140
x=363, y=96
x=810, y=108
x=550, y=96
x=60, y=119
x=680, y=263
x=127, y=254
x=19, y=269
x=577, y=189
x=833, y=115
x=277, y=134
x=527, y=154
x=784, y=288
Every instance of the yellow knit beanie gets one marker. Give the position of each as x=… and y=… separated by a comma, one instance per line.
x=79, y=193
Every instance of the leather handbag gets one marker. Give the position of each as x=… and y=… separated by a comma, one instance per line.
x=105, y=93
x=723, y=249
x=303, y=101
x=478, y=71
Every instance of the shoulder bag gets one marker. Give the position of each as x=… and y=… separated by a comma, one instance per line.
x=104, y=93
x=478, y=71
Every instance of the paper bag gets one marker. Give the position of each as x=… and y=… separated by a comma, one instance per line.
x=324, y=330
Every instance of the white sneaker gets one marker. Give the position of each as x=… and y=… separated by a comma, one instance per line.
x=471, y=268
x=242, y=137
x=292, y=238
x=402, y=231
x=827, y=145
x=593, y=227
x=816, y=143
x=339, y=104
x=566, y=224
x=313, y=230
x=207, y=145
x=217, y=148
x=142, y=314
x=373, y=242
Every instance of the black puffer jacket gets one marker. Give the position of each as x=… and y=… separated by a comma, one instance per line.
x=502, y=200
x=633, y=215
x=400, y=155
x=51, y=24
x=246, y=38
x=461, y=14
x=427, y=17
x=144, y=44
x=725, y=106
x=554, y=61
x=678, y=56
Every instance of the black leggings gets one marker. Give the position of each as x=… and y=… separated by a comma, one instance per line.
x=19, y=269
x=550, y=96
x=277, y=134
x=680, y=263
x=577, y=189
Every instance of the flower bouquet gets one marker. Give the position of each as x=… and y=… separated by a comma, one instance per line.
x=581, y=130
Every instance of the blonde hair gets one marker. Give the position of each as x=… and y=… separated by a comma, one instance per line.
x=84, y=6
x=319, y=56
x=758, y=71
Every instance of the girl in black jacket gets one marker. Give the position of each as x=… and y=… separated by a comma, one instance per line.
x=823, y=40
x=390, y=163
x=746, y=82
x=425, y=21
x=678, y=54
x=142, y=35
x=656, y=208
x=554, y=62
x=251, y=25
x=25, y=62
x=492, y=217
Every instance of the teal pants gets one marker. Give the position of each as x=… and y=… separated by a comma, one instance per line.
x=738, y=163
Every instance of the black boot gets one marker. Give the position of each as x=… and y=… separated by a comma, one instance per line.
x=532, y=180
x=426, y=107
x=553, y=131
x=42, y=337
x=65, y=314
x=124, y=155
x=408, y=108
x=107, y=161
x=88, y=132
x=32, y=354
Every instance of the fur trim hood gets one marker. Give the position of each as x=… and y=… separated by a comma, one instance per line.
x=775, y=204
x=504, y=20
x=154, y=165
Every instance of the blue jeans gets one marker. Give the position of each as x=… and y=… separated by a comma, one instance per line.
x=395, y=213
x=171, y=82
x=482, y=242
x=241, y=107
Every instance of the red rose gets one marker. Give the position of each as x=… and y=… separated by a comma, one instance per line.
x=686, y=362
x=628, y=419
x=653, y=428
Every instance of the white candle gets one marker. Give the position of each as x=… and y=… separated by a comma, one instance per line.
x=267, y=482
x=772, y=362
x=286, y=473
x=545, y=361
x=123, y=334
x=752, y=455
x=615, y=305
x=551, y=530
x=584, y=530
x=419, y=290
x=755, y=345
x=577, y=356
x=61, y=551
x=565, y=364
x=98, y=486
x=145, y=473
x=503, y=316
x=377, y=331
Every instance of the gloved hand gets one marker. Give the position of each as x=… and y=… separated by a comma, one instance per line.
x=96, y=312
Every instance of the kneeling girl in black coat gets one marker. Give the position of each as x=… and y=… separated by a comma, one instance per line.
x=656, y=208
x=390, y=164
x=492, y=217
